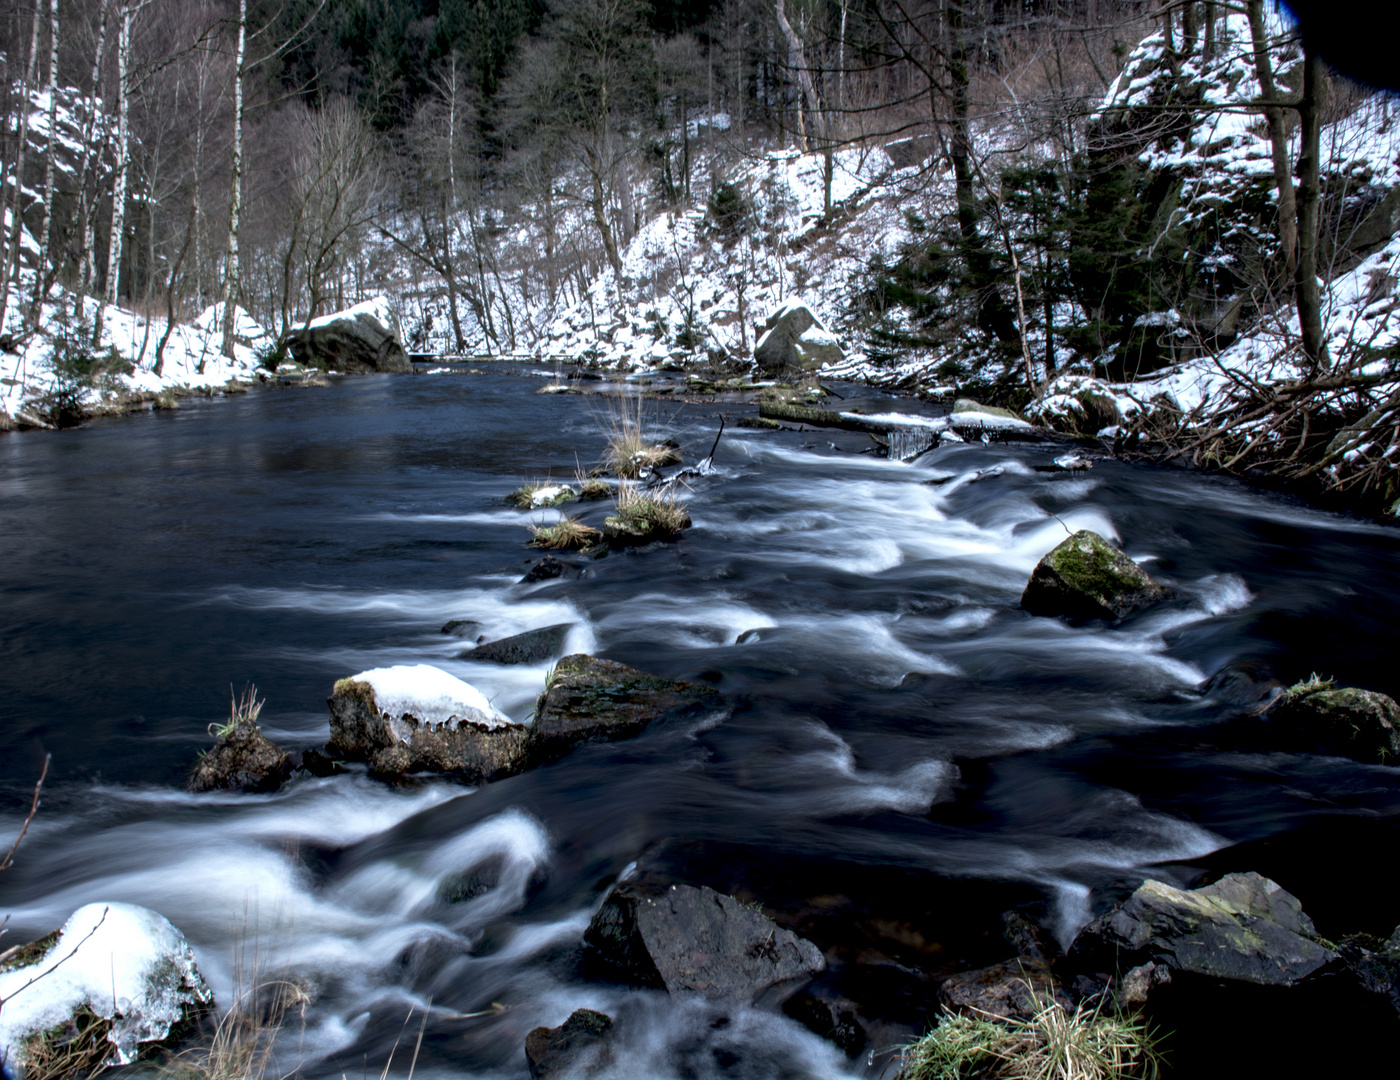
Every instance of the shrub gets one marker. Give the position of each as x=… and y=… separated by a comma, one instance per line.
x=728, y=207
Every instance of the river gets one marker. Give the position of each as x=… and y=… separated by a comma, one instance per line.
x=908, y=753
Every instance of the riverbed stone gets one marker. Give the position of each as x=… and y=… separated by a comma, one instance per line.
x=241, y=759
x=461, y=628
x=1086, y=577
x=531, y=647
x=1376, y=965
x=693, y=940
x=578, y=1046
x=362, y=338
x=1243, y=927
x=1361, y=724
x=475, y=748
x=1015, y=989
x=588, y=699
x=115, y=982
x=546, y=569
x=834, y=1019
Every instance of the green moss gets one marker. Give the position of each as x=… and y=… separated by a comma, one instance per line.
x=1088, y=564
x=354, y=688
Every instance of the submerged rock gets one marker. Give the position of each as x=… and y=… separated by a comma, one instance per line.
x=593, y=700
x=1361, y=724
x=531, y=647
x=117, y=980
x=545, y=569
x=696, y=940
x=1244, y=927
x=578, y=1046
x=241, y=759
x=1086, y=577
x=834, y=1019
x=794, y=341
x=461, y=628
x=417, y=718
x=1015, y=989
x=362, y=338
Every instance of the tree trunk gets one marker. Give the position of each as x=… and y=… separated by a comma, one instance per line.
x=16, y=202
x=87, y=218
x=118, y=230
x=42, y=277
x=1278, y=139
x=1309, y=297
x=235, y=200
x=597, y=203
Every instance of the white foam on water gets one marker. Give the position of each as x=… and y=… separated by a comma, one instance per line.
x=717, y=619
x=843, y=788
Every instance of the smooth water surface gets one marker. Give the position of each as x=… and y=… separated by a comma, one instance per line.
x=907, y=754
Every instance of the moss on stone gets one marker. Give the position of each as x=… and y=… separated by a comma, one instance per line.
x=1086, y=577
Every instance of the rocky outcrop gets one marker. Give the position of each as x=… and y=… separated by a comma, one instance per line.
x=116, y=981
x=593, y=700
x=1244, y=927
x=1086, y=577
x=697, y=941
x=241, y=759
x=1016, y=989
x=1361, y=724
x=531, y=647
x=578, y=1046
x=794, y=341
x=416, y=718
x=362, y=338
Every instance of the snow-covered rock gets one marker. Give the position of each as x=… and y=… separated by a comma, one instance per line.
x=794, y=340
x=361, y=338
x=123, y=964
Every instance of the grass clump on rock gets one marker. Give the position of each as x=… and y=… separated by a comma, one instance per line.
x=565, y=534
x=630, y=451
x=643, y=516
x=594, y=489
x=535, y=495
x=1055, y=1044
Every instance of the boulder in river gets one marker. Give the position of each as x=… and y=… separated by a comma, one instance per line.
x=531, y=647
x=794, y=342
x=578, y=1046
x=117, y=980
x=696, y=940
x=1086, y=577
x=593, y=700
x=1015, y=989
x=418, y=718
x=545, y=569
x=241, y=759
x=1361, y=724
x=1243, y=927
x=362, y=338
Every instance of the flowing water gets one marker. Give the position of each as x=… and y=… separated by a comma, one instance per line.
x=907, y=753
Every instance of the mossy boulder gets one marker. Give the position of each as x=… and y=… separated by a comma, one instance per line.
x=445, y=728
x=1243, y=927
x=592, y=700
x=241, y=759
x=1086, y=577
x=116, y=983
x=1360, y=724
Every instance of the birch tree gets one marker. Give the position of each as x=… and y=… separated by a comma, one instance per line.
x=42, y=275
x=235, y=199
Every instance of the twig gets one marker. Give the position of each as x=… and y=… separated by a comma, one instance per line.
x=29, y=818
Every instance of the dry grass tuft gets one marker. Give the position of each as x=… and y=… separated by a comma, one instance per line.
x=660, y=512
x=77, y=1048
x=629, y=449
x=242, y=710
x=566, y=533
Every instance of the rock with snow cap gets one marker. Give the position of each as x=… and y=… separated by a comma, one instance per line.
x=116, y=981
x=697, y=941
x=794, y=341
x=362, y=338
x=418, y=718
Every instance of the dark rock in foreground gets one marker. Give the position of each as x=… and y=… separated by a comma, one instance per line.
x=593, y=700
x=1085, y=577
x=1377, y=969
x=696, y=940
x=242, y=759
x=464, y=737
x=1016, y=989
x=531, y=647
x=544, y=569
x=361, y=338
x=577, y=1046
x=834, y=1019
x=1244, y=927
x=1361, y=724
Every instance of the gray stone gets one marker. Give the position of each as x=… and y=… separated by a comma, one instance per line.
x=1361, y=724
x=1244, y=927
x=531, y=647
x=354, y=340
x=577, y=1046
x=241, y=759
x=593, y=700
x=1016, y=989
x=472, y=749
x=697, y=941
x=1086, y=577
x=462, y=628
x=794, y=342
